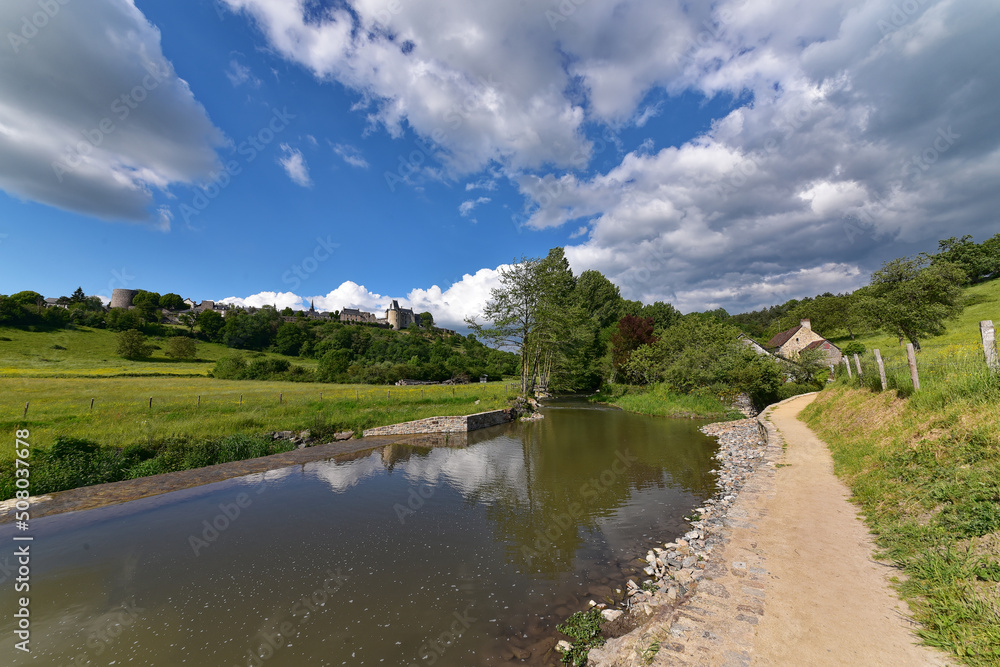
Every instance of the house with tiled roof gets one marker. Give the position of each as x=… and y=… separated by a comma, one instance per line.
x=788, y=344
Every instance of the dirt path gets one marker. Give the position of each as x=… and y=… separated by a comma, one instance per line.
x=828, y=602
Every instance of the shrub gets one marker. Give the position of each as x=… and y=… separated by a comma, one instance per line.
x=854, y=347
x=181, y=347
x=132, y=345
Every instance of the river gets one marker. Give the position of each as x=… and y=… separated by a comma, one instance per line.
x=395, y=556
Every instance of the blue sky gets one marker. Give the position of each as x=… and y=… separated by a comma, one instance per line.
x=735, y=155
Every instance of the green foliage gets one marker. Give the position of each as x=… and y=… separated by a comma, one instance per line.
x=27, y=298
x=584, y=628
x=181, y=347
x=75, y=462
x=132, y=345
x=290, y=339
x=171, y=301
x=123, y=319
x=911, y=299
x=211, y=324
x=425, y=320
x=854, y=347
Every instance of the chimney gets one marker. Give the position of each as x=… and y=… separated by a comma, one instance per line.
x=806, y=324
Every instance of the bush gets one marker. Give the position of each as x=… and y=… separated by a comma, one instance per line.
x=233, y=367
x=132, y=345
x=854, y=347
x=181, y=347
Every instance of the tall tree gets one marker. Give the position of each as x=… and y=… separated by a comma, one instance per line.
x=911, y=298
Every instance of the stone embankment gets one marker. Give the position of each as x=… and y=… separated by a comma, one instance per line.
x=694, y=604
x=456, y=424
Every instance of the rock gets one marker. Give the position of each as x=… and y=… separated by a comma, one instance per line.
x=564, y=646
x=343, y=435
x=611, y=614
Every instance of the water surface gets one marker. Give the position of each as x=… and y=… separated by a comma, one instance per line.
x=393, y=556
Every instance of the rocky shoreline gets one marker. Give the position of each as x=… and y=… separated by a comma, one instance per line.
x=675, y=570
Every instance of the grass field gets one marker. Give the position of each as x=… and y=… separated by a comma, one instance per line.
x=121, y=414
x=87, y=352
x=983, y=303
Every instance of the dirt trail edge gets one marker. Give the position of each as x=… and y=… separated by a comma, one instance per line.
x=791, y=579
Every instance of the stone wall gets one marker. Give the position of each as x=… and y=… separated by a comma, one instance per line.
x=458, y=424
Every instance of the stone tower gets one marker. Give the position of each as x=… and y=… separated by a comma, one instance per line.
x=122, y=298
x=399, y=318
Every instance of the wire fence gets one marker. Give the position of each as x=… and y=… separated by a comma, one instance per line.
x=969, y=367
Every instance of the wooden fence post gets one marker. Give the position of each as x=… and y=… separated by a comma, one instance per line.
x=25, y=415
x=833, y=373
x=881, y=369
x=241, y=400
x=280, y=398
x=990, y=344
x=91, y=405
x=847, y=365
x=357, y=396
x=911, y=357
x=857, y=364
x=199, y=400
x=150, y=402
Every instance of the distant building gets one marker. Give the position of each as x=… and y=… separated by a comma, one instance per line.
x=399, y=318
x=122, y=298
x=788, y=344
x=354, y=315
x=754, y=345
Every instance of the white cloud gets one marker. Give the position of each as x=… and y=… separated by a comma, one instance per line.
x=238, y=74
x=450, y=307
x=350, y=155
x=126, y=128
x=466, y=207
x=845, y=111
x=294, y=164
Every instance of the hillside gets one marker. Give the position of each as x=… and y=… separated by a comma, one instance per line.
x=87, y=352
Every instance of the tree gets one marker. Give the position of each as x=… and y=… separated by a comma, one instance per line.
x=511, y=314
x=599, y=297
x=171, y=301
x=912, y=298
x=181, y=347
x=426, y=320
x=132, y=345
x=663, y=314
x=148, y=304
x=289, y=339
x=27, y=298
x=121, y=319
x=633, y=332
x=211, y=324
x=78, y=296
x=188, y=320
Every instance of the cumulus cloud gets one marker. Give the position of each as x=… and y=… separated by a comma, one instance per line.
x=858, y=129
x=450, y=307
x=100, y=120
x=294, y=164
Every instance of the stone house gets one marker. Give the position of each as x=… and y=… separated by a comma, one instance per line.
x=355, y=315
x=788, y=344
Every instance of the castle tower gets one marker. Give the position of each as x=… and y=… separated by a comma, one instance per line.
x=122, y=298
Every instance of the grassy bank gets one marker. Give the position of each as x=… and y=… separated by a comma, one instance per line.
x=122, y=418
x=926, y=472
x=661, y=402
